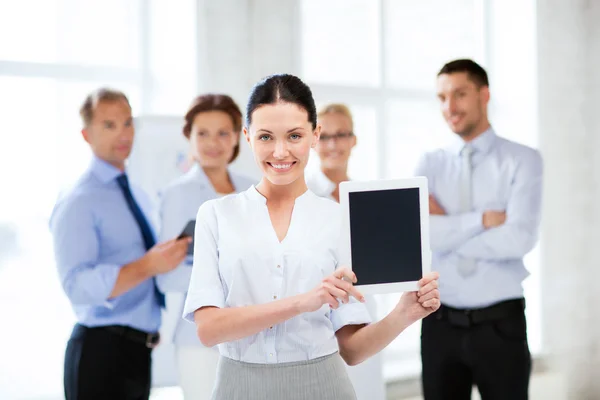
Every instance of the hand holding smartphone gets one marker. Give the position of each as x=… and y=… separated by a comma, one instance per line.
x=188, y=231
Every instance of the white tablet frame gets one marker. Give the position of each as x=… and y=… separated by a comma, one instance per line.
x=384, y=184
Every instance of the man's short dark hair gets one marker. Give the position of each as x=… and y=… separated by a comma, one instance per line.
x=98, y=96
x=475, y=71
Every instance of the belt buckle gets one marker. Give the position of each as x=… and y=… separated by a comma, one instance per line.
x=461, y=318
x=151, y=342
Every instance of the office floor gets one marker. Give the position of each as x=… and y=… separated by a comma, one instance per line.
x=544, y=386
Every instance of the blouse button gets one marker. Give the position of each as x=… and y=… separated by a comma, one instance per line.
x=274, y=296
x=279, y=266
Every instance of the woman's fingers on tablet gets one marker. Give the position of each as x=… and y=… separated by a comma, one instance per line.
x=434, y=304
x=349, y=288
x=333, y=302
x=432, y=285
x=434, y=294
x=342, y=279
x=345, y=272
x=427, y=278
x=337, y=292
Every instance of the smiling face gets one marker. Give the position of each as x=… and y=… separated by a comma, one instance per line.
x=281, y=137
x=213, y=139
x=463, y=104
x=336, y=141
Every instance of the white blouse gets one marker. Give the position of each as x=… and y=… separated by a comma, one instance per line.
x=239, y=261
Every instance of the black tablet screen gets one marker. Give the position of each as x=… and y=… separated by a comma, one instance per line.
x=385, y=232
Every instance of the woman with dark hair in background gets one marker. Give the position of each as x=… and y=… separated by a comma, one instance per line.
x=213, y=127
x=268, y=285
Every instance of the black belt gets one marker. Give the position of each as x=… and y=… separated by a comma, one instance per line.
x=476, y=316
x=149, y=339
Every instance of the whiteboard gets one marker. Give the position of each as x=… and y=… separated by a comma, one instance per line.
x=160, y=153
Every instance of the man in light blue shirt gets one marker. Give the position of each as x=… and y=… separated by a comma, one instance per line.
x=485, y=208
x=107, y=259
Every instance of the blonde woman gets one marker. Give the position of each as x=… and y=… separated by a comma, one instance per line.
x=334, y=149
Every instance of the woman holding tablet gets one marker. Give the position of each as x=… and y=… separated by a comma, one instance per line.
x=334, y=148
x=267, y=284
x=213, y=126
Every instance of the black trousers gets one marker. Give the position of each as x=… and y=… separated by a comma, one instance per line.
x=494, y=355
x=102, y=365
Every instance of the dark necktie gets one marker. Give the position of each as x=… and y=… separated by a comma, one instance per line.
x=142, y=223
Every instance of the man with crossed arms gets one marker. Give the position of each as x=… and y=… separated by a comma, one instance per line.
x=485, y=211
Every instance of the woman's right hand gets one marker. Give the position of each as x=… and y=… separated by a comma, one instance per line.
x=335, y=286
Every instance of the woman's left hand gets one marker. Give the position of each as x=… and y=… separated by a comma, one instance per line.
x=417, y=305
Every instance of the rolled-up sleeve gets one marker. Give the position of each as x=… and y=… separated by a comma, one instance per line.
x=352, y=313
x=206, y=288
x=76, y=245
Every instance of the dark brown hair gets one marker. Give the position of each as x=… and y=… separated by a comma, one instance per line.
x=215, y=102
x=283, y=88
x=475, y=71
x=86, y=111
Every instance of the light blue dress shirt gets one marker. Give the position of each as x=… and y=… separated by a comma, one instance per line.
x=179, y=204
x=239, y=261
x=94, y=235
x=506, y=176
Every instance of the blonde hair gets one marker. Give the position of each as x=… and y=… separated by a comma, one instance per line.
x=93, y=99
x=336, y=108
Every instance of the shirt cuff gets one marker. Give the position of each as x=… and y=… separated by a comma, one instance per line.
x=110, y=274
x=472, y=222
x=353, y=313
x=193, y=302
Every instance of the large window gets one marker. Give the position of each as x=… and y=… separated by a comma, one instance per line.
x=381, y=57
x=53, y=53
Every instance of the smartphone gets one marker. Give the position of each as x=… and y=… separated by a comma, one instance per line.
x=188, y=231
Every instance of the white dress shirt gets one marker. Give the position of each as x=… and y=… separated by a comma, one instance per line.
x=239, y=261
x=505, y=176
x=180, y=201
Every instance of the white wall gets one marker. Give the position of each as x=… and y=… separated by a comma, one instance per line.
x=242, y=41
x=569, y=90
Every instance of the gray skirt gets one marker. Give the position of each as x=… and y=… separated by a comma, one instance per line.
x=323, y=378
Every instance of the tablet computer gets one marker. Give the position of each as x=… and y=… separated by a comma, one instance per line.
x=188, y=231
x=385, y=233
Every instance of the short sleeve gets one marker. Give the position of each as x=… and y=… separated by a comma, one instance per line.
x=352, y=313
x=206, y=288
